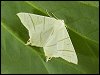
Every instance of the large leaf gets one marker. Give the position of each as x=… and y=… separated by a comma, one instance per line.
x=82, y=21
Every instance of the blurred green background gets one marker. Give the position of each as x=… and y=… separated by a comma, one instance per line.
x=82, y=20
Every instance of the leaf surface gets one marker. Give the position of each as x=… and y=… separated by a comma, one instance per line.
x=83, y=27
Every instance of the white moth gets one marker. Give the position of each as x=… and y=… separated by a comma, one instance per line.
x=50, y=34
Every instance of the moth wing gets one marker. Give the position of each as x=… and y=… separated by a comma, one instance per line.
x=65, y=47
x=50, y=48
x=39, y=27
x=60, y=45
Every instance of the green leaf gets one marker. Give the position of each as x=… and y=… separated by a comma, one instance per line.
x=82, y=20
x=91, y=3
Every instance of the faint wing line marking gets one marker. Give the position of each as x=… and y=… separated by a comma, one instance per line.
x=66, y=50
x=44, y=24
x=32, y=21
x=40, y=38
x=57, y=41
x=62, y=39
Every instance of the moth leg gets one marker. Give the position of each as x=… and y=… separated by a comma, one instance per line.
x=28, y=42
x=66, y=26
x=48, y=58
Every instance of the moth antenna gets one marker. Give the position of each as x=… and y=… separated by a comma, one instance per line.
x=48, y=13
x=55, y=16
